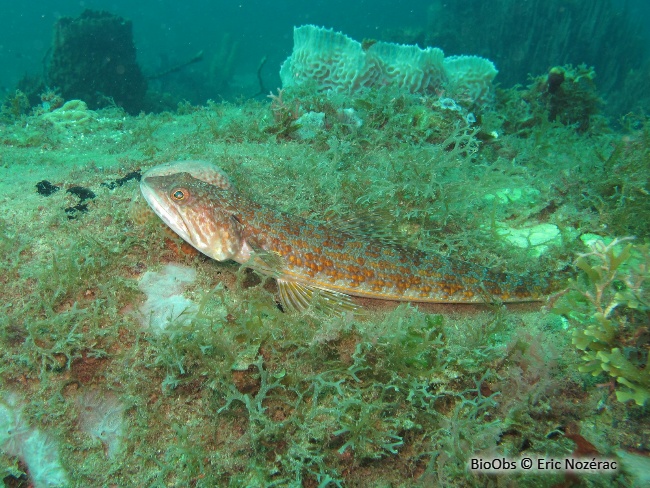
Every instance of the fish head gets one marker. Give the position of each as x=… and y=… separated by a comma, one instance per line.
x=201, y=213
x=201, y=170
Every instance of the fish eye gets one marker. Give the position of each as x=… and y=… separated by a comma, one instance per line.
x=179, y=194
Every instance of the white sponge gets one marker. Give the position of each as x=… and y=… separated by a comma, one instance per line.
x=331, y=60
x=165, y=303
x=37, y=449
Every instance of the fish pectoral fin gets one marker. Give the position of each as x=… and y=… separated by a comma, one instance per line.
x=300, y=297
x=267, y=262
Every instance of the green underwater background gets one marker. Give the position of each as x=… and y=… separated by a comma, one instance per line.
x=129, y=359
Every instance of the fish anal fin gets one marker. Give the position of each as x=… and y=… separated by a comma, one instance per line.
x=300, y=297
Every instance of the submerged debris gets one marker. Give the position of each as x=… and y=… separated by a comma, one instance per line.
x=46, y=188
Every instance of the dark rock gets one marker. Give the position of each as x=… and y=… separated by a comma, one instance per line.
x=94, y=59
x=133, y=175
x=46, y=188
x=81, y=192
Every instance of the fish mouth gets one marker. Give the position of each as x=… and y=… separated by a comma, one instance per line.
x=172, y=218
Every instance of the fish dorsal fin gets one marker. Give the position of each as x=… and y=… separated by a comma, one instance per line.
x=367, y=225
x=300, y=297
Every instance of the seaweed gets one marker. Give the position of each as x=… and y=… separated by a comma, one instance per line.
x=608, y=310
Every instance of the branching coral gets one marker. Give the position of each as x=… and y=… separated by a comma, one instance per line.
x=608, y=309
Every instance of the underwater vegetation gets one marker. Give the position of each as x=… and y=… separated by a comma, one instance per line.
x=227, y=389
x=545, y=33
x=608, y=310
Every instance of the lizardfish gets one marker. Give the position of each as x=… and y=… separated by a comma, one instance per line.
x=316, y=261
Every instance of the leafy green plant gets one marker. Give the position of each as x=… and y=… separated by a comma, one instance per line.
x=608, y=308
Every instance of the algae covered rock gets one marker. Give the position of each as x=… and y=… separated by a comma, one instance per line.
x=94, y=59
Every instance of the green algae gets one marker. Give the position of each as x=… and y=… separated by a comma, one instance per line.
x=606, y=309
x=244, y=394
